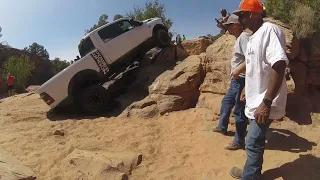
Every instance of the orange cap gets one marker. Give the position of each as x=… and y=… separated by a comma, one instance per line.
x=250, y=5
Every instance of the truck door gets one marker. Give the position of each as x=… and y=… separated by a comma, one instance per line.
x=139, y=34
x=114, y=39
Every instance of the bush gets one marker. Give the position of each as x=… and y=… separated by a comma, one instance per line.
x=303, y=16
x=20, y=68
x=302, y=21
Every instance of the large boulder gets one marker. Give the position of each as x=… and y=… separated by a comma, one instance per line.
x=12, y=169
x=210, y=101
x=173, y=90
x=196, y=46
x=217, y=63
x=81, y=164
x=154, y=63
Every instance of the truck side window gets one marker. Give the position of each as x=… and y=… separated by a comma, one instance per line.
x=125, y=26
x=109, y=32
x=114, y=30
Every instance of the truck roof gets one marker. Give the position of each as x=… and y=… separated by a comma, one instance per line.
x=101, y=27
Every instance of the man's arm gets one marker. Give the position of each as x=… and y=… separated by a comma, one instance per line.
x=240, y=69
x=276, y=79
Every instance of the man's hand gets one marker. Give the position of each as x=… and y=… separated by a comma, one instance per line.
x=243, y=96
x=235, y=74
x=262, y=113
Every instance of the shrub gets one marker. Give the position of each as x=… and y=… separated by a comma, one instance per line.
x=302, y=21
x=20, y=68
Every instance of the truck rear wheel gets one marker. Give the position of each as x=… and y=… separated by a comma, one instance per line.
x=161, y=38
x=95, y=100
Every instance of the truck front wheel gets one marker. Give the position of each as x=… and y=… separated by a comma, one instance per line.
x=161, y=38
x=95, y=100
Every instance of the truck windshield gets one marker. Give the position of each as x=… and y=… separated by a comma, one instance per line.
x=85, y=47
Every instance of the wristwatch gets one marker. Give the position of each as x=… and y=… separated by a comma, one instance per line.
x=267, y=102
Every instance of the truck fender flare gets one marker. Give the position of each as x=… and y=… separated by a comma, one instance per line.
x=82, y=79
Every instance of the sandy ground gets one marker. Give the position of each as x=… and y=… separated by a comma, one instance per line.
x=178, y=146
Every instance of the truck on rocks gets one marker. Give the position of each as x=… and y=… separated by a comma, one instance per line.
x=109, y=60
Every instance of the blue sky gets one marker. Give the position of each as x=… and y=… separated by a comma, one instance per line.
x=59, y=25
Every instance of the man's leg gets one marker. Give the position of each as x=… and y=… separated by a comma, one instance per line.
x=240, y=118
x=255, y=144
x=227, y=104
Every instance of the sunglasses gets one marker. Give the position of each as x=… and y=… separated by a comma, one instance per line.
x=244, y=14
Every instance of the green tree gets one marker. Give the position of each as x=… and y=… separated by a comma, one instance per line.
x=37, y=49
x=117, y=16
x=0, y=32
x=150, y=10
x=59, y=65
x=103, y=19
x=21, y=68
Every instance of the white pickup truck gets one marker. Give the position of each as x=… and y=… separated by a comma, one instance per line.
x=107, y=52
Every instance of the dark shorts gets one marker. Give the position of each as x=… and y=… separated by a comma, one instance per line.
x=10, y=87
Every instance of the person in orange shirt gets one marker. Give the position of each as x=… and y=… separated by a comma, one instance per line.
x=10, y=80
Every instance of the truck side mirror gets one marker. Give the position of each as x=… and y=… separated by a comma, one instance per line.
x=135, y=23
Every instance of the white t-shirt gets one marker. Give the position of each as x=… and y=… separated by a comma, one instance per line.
x=265, y=47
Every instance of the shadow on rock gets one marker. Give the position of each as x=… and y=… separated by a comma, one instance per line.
x=305, y=167
x=285, y=140
x=300, y=107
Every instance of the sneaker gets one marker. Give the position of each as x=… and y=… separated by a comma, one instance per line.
x=236, y=173
x=234, y=147
x=224, y=132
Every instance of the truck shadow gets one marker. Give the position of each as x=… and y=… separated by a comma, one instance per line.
x=152, y=65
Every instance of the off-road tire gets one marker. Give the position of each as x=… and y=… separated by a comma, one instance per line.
x=161, y=38
x=95, y=100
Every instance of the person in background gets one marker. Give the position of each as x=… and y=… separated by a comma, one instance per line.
x=178, y=39
x=10, y=82
x=224, y=15
x=265, y=89
x=232, y=97
x=183, y=37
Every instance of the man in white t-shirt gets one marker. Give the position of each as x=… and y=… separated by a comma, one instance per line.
x=265, y=89
x=232, y=97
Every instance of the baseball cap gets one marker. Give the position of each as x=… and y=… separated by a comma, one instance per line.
x=250, y=5
x=233, y=19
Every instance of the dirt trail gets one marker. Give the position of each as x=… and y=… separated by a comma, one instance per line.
x=180, y=145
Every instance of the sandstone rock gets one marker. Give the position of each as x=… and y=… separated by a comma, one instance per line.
x=215, y=82
x=210, y=101
x=155, y=62
x=196, y=46
x=32, y=88
x=59, y=132
x=186, y=76
x=12, y=169
x=90, y=165
x=221, y=50
x=298, y=108
x=156, y=104
x=173, y=90
x=163, y=56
